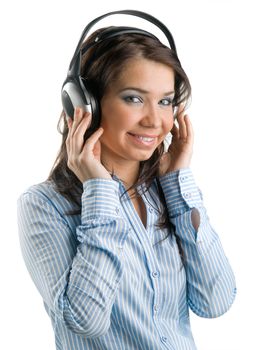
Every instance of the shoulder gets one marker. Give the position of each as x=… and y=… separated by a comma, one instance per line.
x=44, y=193
x=44, y=190
x=43, y=215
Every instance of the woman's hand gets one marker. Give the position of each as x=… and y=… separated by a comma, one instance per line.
x=181, y=148
x=84, y=158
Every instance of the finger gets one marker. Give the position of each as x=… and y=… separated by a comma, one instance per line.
x=77, y=118
x=72, y=125
x=69, y=121
x=181, y=109
x=75, y=141
x=174, y=131
x=77, y=138
x=182, y=124
x=82, y=126
x=190, y=131
x=92, y=140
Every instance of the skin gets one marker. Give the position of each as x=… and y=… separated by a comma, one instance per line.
x=144, y=110
x=142, y=98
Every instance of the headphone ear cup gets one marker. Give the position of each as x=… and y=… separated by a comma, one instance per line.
x=77, y=93
x=93, y=101
x=73, y=96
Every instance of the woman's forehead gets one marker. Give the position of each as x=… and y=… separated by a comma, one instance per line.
x=146, y=75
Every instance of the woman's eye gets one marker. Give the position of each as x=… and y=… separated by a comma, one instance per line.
x=132, y=99
x=166, y=101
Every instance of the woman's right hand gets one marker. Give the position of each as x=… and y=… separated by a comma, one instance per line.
x=84, y=158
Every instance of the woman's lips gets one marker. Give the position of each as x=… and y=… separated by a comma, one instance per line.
x=147, y=140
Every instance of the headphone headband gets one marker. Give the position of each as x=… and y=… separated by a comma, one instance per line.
x=76, y=90
x=140, y=14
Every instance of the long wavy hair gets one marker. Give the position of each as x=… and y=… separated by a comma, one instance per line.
x=101, y=66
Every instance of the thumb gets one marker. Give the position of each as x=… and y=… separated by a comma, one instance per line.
x=91, y=141
x=92, y=147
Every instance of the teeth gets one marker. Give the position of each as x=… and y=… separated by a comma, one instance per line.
x=146, y=139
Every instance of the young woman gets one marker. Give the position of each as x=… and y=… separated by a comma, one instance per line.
x=117, y=240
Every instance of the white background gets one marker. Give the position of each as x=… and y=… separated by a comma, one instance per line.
x=216, y=42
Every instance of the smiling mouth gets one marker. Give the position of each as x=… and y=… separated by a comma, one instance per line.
x=143, y=139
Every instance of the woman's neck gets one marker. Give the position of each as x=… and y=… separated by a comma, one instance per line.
x=126, y=171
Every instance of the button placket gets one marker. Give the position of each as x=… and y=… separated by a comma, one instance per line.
x=164, y=339
x=187, y=195
x=156, y=308
x=150, y=209
x=117, y=210
x=183, y=178
x=155, y=274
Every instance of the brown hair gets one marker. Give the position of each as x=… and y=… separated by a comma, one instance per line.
x=101, y=65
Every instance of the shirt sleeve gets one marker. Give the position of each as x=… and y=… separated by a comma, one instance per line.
x=210, y=279
x=77, y=277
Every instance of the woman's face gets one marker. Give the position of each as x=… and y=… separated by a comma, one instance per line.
x=137, y=111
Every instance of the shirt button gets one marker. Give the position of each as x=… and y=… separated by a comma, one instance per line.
x=155, y=274
x=155, y=308
x=164, y=339
x=117, y=209
x=150, y=209
x=183, y=178
x=187, y=195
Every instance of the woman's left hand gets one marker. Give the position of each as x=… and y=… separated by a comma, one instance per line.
x=180, y=151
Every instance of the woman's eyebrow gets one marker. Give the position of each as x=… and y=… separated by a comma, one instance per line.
x=144, y=91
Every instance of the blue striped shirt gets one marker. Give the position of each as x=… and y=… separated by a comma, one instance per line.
x=109, y=282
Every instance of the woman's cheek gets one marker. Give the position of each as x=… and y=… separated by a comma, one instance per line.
x=168, y=126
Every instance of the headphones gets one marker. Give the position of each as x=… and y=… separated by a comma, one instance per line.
x=75, y=90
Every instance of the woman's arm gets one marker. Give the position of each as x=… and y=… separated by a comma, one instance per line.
x=77, y=273
x=210, y=280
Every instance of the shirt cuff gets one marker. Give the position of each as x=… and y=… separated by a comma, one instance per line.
x=180, y=191
x=100, y=198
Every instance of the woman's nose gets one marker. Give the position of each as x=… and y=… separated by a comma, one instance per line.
x=151, y=117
